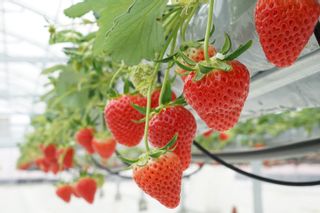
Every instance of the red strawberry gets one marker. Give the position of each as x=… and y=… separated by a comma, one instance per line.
x=120, y=115
x=50, y=152
x=54, y=167
x=208, y=133
x=284, y=28
x=197, y=55
x=43, y=164
x=166, y=124
x=219, y=96
x=68, y=158
x=104, y=147
x=24, y=166
x=223, y=136
x=64, y=192
x=86, y=187
x=155, y=98
x=84, y=138
x=161, y=179
x=74, y=190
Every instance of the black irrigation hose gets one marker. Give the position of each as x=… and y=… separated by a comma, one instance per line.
x=117, y=173
x=317, y=32
x=253, y=176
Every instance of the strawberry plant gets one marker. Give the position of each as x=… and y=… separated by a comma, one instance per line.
x=115, y=91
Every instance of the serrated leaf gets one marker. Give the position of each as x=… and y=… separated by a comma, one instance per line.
x=112, y=10
x=81, y=8
x=227, y=44
x=78, y=10
x=137, y=30
x=241, y=49
x=140, y=109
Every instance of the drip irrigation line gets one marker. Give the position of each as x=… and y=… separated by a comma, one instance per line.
x=118, y=173
x=250, y=175
x=317, y=32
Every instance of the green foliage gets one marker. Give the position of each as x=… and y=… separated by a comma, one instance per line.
x=137, y=34
x=256, y=130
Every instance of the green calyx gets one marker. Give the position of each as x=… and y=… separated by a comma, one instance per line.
x=102, y=135
x=180, y=101
x=217, y=62
x=143, y=159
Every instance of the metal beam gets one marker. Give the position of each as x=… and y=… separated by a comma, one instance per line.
x=276, y=78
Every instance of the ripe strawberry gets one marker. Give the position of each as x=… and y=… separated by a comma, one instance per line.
x=74, y=190
x=54, y=167
x=166, y=124
x=43, y=164
x=64, y=192
x=207, y=133
x=161, y=179
x=223, y=136
x=86, y=187
x=155, y=98
x=84, y=138
x=197, y=55
x=50, y=152
x=68, y=158
x=219, y=96
x=24, y=166
x=120, y=115
x=284, y=28
x=104, y=147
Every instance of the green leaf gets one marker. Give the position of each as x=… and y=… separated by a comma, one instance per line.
x=126, y=160
x=80, y=9
x=126, y=87
x=137, y=34
x=205, y=69
x=112, y=9
x=77, y=10
x=53, y=69
x=168, y=59
x=167, y=94
x=227, y=44
x=142, y=120
x=182, y=66
x=112, y=93
x=171, y=143
x=241, y=49
x=198, y=76
x=140, y=109
x=65, y=36
x=186, y=59
x=180, y=101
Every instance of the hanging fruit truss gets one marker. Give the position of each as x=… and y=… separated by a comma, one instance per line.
x=115, y=91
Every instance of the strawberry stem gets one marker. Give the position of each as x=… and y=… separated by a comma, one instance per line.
x=115, y=75
x=166, y=74
x=148, y=109
x=209, y=24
